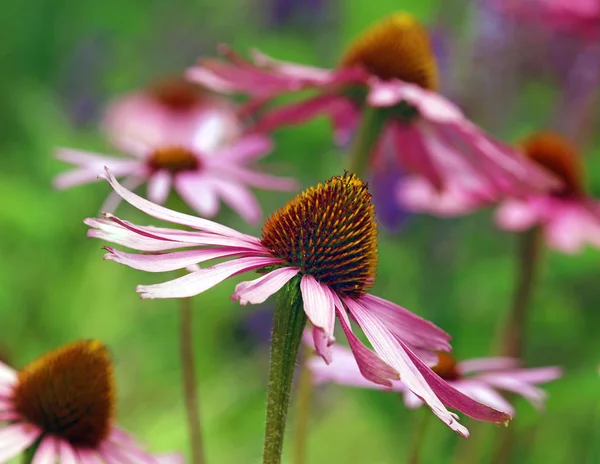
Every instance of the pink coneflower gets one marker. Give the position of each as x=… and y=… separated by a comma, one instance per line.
x=198, y=154
x=391, y=70
x=479, y=379
x=326, y=238
x=568, y=216
x=63, y=404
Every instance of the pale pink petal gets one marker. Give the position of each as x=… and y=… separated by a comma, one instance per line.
x=215, y=127
x=8, y=375
x=247, y=149
x=570, y=225
x=407, y=326
x=488, y=364
x=535, y=395
x=15, y=438
x=481, y=392
x=113, y=200
x=159, y=186
x=171, y=458
x=47, y=451
x=258, y=290
x=411, y=401
x=198, y=191
x=168, y=215
x=87, y=456
x=531, y=375
x=419, y=378
x=169, y=261
x=67, y=454
x=258, y=179
x=319, y=306
x=516, y=215
x=239, y=198
x=89, y=159
x=199, y=281
x=371, y=366
x=10, y=416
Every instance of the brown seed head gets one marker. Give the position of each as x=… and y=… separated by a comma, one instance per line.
x=330, y=233
x=396, y=47
x=446, y=367
x=69, y=393
x=177, y=94
x=174, y=159
x=560, y=157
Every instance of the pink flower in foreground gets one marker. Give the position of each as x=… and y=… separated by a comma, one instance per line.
x=327, y=239
x=479, y=379
x=391, y=70
x=65, y=400
x=199, y=153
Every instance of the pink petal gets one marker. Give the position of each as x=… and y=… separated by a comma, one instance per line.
x=407, y=326
x=113, y=200
x=371, y=366
x=319, y=306
x=257, y=291
x=169, y=261
x=159, y=186
x=240, y=199
x=488, y=364
x=8, y=375
x=411, y=401
x=215, y=127
x=200, y=281
x=258, y=179
x=67, y=454
x=168, y=215
x=198, y=191
x=484, y=394
x=89, y=457
x=516, y=215
x=47, y=451
x=531, y=375
x=171, y=458
x=249, y=148
x=15, y=438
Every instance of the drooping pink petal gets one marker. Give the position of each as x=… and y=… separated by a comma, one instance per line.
x=171, y=458
x=318, y=306
x=7, y=374
x=159, y=186
x=483, y=393
x=168, y=215
x=258, y=290
x=87, y=456
x=47, y=451
x=411, y=401
x=15, y=438
x=516, y=215
x=198, y=190
x=419, y=378
x=499, y=363
x=215, y=126
x=113, y=200
x=66, y=453
x=200, y=281
x=246, y=150
x=407, y=326
x=371, y=366
x=169, y=261
x=239, y=198
x=258, y=179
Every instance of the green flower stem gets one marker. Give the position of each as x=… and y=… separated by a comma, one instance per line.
x=302, y=410
x=371, y=126
x=529, y=253
x=288, y=324
x=190, y=392
x=419, y=436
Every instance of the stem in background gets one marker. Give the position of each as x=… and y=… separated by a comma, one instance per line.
x=304, y=392
x=288, y=324
x=530, y=245
x=419, y=436
x=371, y=126
x=189, y=381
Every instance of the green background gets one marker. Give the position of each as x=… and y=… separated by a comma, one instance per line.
x=61, y=61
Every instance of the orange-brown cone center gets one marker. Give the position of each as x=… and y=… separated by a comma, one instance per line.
x=69, y=393
x=560, y=157
x=330, y=233
x=177, y=94
x=446, y=367
x=174, y=159
x=396, y=47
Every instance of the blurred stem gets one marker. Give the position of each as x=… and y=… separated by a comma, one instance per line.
x=288, y=324
x=529, y=251
x=419, y=436
x=371, y=126
x=305, y=384
x=190, y=392
x=29, y=453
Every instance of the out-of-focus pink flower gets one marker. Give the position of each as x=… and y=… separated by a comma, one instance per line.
x=194, y=148
x=569, y=217
x=390, y=68
x=326, y=238
x=479, y=379
x=63, y=403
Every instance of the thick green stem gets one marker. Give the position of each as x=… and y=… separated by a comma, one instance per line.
x=368, y=132
x=190, y=392
x=288, y=324
x=530, y=245
x=304, y=393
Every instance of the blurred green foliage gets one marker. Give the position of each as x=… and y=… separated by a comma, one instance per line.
x=62, y=61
